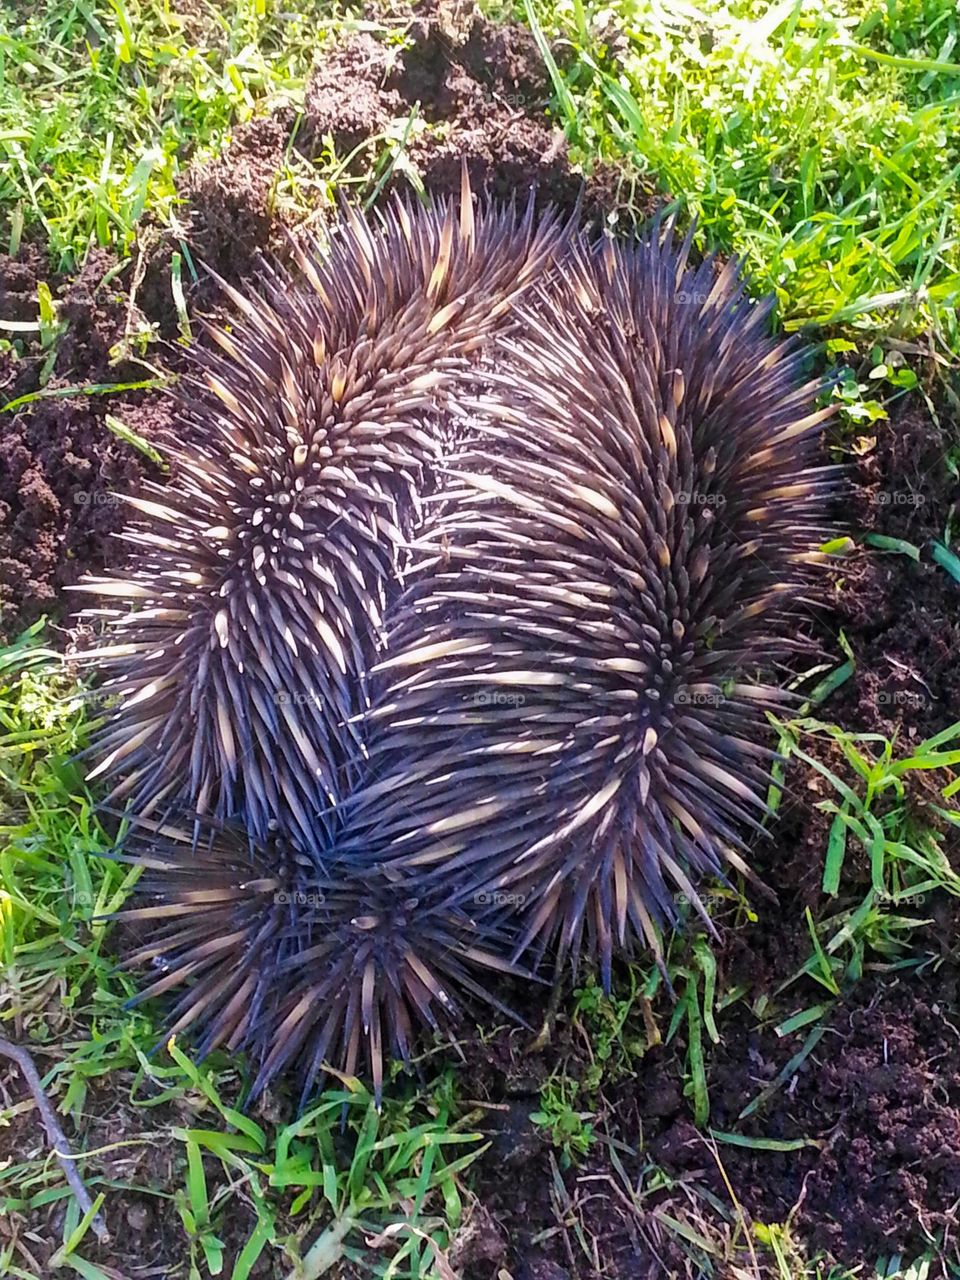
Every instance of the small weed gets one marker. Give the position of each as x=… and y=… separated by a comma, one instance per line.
x=608, y=1026
x=570, y=1130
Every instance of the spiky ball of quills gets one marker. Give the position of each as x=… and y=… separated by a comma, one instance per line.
x=554, y=552
x=268, y=954
x=263, y=575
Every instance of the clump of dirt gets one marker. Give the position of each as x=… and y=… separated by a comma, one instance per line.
x=488, y=89
x=902, y=614
x=228, y=200
x=350, y=120
x=61, y=468
x=483, y=91
x=59, y=474
x=18, y=302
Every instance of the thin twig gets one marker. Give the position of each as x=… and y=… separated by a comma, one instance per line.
x=55, y=1135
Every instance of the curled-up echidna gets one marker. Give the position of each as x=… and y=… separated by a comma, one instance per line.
x=483, y=540
x=569, y=694
x=241, y=634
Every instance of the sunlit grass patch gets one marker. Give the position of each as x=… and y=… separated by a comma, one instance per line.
x=818, y=140
x=101, y=105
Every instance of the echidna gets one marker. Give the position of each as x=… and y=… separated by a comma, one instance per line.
x=569, y=696
x=553, y=524
x=244, y=629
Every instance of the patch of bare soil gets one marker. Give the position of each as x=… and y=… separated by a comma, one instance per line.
x=904, y=616
x=61, y=467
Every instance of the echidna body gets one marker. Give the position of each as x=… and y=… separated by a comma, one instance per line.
x=244, y=630
x=631, y=522
x=519, y=719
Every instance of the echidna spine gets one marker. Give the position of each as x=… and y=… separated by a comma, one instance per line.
x=567, y=724
x=629, y=524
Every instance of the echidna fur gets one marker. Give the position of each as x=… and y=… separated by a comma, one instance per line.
x=242, y=634
x=518, y=679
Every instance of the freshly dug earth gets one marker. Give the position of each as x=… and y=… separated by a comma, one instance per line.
x=61, y=467
x=872, y=1116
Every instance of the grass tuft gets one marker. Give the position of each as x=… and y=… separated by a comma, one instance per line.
x=819, y=141
x=102, y=104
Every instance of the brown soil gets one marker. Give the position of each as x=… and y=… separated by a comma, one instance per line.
x=904, y=615
x=61, y=468
x=880, y=1092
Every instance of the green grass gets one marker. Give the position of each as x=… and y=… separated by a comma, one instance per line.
x=822, y=142
x=101, y=105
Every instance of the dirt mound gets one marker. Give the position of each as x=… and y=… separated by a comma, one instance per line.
x=486, y=88
x=61, y=467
